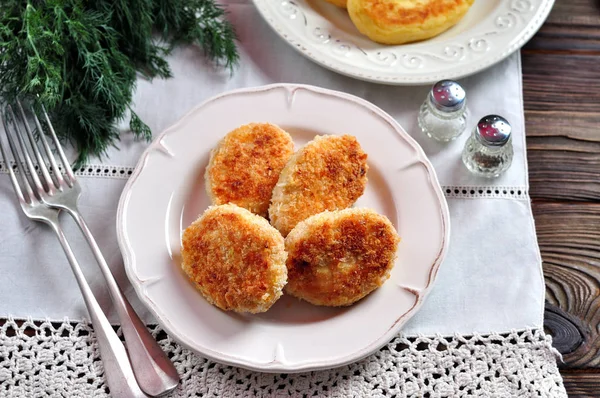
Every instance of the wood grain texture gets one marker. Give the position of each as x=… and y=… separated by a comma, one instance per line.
x=582, y=383
x=563, y=134
x=563, y=168
x=561, y=88
x=570, y=28
x=568, y=332
x=563, y=124
x=574, y=13
x=569, y=239
x=560, y=82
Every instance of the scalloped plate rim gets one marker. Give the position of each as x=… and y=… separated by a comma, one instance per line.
x=129, y=255
x=307, y=48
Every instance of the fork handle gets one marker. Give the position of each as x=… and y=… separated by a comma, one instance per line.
x=154, y=372
x=117, y=369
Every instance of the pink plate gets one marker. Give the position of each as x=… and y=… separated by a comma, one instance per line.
x=166, y=193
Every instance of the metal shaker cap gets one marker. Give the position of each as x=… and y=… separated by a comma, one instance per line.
x=448, y=96
x=493, y=130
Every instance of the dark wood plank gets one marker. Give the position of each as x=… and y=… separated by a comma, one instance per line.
x=562, y=118
x=561, y=71
x=561, y=91
x=561, y=167
x=574, y=13
x=570, y=28
x=582, y=383
x=569, y=239
x=561, y=82
x=563, y=155
x=568, y=332
x=561, y=86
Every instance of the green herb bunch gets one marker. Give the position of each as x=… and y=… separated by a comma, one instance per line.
x=80, y=59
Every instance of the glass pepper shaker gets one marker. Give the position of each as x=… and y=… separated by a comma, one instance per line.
x=488, y=151
x=443, y=114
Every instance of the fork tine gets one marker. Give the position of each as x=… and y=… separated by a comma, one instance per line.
x=23, y=177
x=61, y=153
x=41, y=163
x=54, y=166
x=13, y=177
x=25, y=152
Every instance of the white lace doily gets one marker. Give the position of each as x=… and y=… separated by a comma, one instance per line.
x=49, y=359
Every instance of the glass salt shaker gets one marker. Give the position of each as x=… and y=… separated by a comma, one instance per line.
x=443, y=114
x=488, y=151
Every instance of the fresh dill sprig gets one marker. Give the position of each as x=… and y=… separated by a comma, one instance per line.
x=202, y=26
x=80, y=58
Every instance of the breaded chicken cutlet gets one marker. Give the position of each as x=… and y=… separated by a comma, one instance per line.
x=328, y=173
x=245, y=166
x=336, y=258
x=235, y=259
x=404, y=21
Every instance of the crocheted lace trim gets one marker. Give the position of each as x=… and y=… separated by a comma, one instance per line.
x=61, y=359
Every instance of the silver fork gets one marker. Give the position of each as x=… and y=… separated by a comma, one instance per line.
x=153, y=370
x=118, y=371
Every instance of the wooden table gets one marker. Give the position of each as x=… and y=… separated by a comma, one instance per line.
x=561, y=84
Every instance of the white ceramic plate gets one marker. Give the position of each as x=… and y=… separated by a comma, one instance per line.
x=489, y=32
x=166, y=193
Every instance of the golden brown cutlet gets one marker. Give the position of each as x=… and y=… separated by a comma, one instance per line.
x=245, y=166
x=235, y=259
x=328, y=173
x=336, y=258
x=404, y=21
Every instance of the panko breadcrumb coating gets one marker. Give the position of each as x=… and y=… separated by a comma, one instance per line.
x=245, y=166
x=328, y=173
x=336, y=258
x=235, y=259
